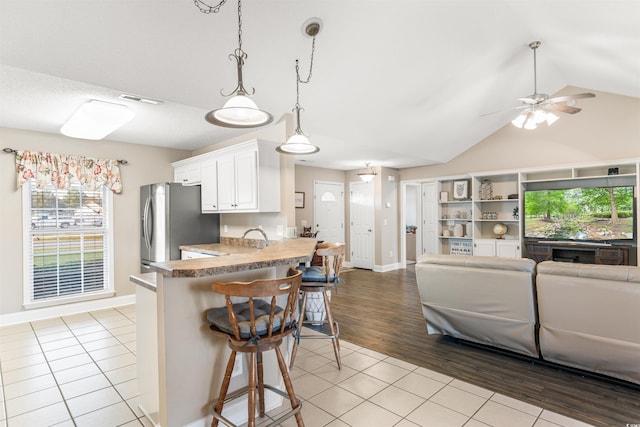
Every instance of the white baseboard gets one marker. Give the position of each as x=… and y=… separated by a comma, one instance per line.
x=387, y=267
x=65, y=310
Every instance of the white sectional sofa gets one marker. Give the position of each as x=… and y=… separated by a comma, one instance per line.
x=590, y=317
x=488, y=300
x=578, y=315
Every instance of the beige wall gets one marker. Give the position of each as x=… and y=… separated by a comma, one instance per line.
x=387, y=219
x=608, y=128
x=146, y=165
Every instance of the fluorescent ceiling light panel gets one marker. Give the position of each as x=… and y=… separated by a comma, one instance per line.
x=96, y=119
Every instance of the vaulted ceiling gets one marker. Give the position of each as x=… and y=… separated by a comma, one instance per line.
x=397, y=83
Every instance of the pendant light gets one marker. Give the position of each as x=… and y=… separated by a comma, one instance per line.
x=368, y=174
x=239, y=111
x=298, y=143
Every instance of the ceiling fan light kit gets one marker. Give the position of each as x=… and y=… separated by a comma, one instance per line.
x=298, y=143
x=538, y=107
x=239, y=111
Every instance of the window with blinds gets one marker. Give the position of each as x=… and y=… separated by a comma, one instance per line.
x=69, y=241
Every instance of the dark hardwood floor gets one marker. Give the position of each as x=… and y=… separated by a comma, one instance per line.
x=382, y=312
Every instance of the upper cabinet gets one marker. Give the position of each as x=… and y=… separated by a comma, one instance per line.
x=186, y=172
x=209, y=185
x=249, y=178
x=241, y=178
x=238, y=181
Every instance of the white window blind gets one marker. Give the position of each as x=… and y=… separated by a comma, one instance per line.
x=69, y=242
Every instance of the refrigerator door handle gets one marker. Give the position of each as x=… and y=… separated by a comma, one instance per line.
x=145, y=223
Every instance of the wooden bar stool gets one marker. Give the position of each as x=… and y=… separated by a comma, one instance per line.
x=321, y=279
x=253, y=327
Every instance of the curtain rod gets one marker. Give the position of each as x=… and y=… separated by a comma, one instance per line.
x=13, y=151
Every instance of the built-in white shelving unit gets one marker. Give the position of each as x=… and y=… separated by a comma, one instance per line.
x=470, y=206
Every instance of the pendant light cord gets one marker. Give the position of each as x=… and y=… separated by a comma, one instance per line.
x=239, y=27
x=308, y=79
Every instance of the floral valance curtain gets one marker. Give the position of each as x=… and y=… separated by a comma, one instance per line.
x=63, y=170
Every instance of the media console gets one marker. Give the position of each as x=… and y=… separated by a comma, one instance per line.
x=585, y=253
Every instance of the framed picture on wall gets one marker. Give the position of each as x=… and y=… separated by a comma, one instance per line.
x=299, y=200
x=460, y=190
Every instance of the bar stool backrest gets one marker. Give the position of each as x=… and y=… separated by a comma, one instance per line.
x=258, y=292
x=332, y=256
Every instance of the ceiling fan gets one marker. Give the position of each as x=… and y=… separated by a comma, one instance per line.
x=538, y=107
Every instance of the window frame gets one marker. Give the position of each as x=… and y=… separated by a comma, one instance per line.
x=27, y=282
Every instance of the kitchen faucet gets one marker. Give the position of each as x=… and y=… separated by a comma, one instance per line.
x=266, y=239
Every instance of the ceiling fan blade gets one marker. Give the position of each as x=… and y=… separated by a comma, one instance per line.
x=570, y=97
x=563, y=108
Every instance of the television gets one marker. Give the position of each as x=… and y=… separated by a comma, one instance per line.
x=590, y=214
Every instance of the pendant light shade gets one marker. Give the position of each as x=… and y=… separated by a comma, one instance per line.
x=368, y=174
x=297, y=144
x=239, y=112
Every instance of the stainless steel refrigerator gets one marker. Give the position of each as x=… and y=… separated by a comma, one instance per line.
x=170, y=216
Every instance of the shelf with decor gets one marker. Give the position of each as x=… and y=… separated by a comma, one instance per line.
x=455, y=216
x=496, y=207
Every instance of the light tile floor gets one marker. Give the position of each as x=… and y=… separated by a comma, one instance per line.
x=80, y=371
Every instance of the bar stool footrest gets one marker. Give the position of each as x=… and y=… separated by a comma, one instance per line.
x=244, y=390
x=323, y=336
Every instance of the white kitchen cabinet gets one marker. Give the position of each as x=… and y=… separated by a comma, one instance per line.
x=209, y=186
x=249, y=178
x=237, y=181
x=186, y=172
x=241, y=178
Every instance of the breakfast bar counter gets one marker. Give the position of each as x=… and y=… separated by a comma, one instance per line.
x=231, y=256
x=180, y=363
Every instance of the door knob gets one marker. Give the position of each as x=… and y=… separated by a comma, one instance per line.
x=369, y=230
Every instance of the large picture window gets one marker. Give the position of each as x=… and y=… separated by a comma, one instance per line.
x=68, y=244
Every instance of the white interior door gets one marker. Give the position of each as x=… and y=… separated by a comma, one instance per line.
x=328, y=211
x=429, y=219
x=362, y=236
